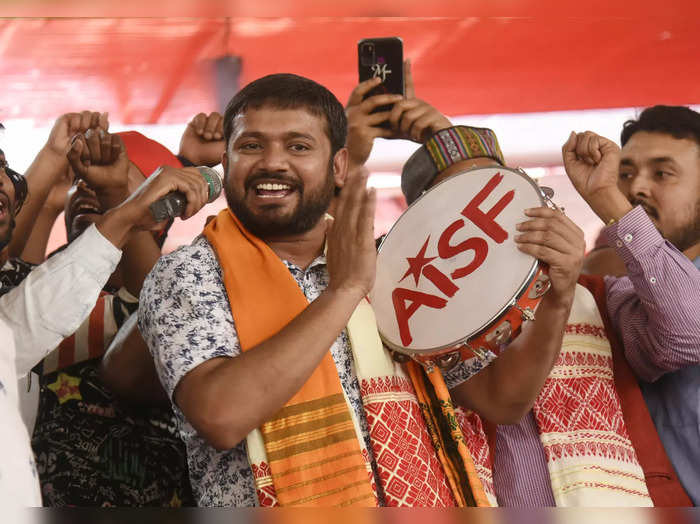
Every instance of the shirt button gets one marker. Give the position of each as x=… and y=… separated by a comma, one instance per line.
x=628, y=238
x=618, y=243
x=652, y=280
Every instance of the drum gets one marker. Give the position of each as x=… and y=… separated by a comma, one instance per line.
x=450, y=282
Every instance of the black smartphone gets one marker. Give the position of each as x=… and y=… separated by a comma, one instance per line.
x=383, y=58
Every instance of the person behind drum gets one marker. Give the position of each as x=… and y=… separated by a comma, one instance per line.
x=653, y=183
x=562, y=451
x=528, y=468
x=504, y=390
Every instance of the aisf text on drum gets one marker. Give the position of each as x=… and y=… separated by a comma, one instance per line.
x=408, y=301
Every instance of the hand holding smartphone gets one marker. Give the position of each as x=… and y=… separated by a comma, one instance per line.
x=383, y=58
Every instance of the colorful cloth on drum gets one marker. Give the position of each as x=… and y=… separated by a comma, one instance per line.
x=445, y=148
x=325, y=463
x=458, y=143
x=590, y=457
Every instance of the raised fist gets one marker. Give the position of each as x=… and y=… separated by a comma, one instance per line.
x=99, y=158
x=203, y=142
x=70, y=124
x=592, y=163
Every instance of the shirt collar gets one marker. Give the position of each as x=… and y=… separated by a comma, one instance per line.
x=318, y=261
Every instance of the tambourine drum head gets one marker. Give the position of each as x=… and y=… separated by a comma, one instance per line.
x=449, y=265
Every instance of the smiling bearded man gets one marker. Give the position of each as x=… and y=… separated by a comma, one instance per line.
x=262, y=335
x=272, y=186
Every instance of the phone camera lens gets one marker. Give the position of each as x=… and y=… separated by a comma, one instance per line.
x=367, y=54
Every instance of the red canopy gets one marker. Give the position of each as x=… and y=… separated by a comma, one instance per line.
x=148, y=70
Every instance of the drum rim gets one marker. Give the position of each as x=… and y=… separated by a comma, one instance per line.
x=534, y=268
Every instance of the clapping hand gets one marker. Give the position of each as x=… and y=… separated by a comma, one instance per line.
x=351, y=254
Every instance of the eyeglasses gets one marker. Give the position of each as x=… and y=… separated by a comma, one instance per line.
x=18, y=181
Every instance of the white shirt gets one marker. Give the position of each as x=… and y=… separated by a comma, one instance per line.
x=35, y=317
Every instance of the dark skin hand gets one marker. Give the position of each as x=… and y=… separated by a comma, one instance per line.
x=410, y=118
x=128, y=369
x=203, y=142
x=49, y=168
x=109, y=178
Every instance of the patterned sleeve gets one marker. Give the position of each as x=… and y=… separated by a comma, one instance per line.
x=184, y=313
x=655, y=308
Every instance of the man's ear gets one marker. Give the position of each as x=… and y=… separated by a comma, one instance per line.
x=340, y=167
x=224, y=160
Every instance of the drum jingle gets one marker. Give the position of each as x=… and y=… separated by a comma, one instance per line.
x=451, y=284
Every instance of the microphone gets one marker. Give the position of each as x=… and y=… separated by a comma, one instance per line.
x=173, y=204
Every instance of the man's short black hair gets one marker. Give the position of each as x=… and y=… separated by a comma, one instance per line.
x=677, y=121
x=288, y=91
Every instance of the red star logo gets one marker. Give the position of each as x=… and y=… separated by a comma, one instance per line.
x=415, y=264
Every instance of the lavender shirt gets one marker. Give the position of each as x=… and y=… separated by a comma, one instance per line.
x=655, y=309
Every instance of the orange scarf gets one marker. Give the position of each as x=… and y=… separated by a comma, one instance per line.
x=312, y=446
x=449, y=441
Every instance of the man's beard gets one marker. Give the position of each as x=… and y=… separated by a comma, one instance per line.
x=309, y=210
x=77, y=227
x=5, y=239
x=686, y=237
x=683, y=238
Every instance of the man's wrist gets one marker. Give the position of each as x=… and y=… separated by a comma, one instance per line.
x=438, y=126
x=185, y=160
x=610, y=206
x=351, y=294
x=50, y=154
x=112, y=197
x=560, y=302
x=192, y=159
x=116, y=224
x=45, y=170
x=354, y=165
